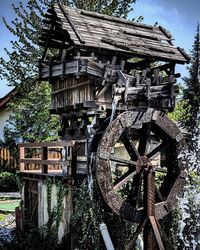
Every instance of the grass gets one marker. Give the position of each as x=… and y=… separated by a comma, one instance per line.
x=9, y=206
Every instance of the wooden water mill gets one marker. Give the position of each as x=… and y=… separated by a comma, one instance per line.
x=144, y=134
x=113, y=82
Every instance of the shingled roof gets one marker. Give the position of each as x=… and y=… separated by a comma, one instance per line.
x=6, y=99
x=102, y=33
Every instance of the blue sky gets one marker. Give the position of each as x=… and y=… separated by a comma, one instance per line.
x=180, y=17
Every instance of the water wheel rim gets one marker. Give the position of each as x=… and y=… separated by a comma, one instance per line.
x=127, y=119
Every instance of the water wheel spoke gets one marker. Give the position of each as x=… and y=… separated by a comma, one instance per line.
x=137, y=190
x=159, y=195
x=158, y=149
x=132, y=242
x=123, y=179
x=138, y=140
x=120, y=160
x=156, y=232
x=131, y=149
x=145, y=132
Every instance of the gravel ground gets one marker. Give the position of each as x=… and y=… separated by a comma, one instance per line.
x=7, y=228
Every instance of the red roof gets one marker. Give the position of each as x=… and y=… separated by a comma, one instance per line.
x=6, y=99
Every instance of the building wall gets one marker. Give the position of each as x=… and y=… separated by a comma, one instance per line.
x=4, y=115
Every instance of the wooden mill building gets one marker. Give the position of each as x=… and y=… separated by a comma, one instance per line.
x=102, y=66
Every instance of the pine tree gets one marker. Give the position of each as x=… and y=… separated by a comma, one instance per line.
x=189, y=204
x=191, y=94
x=21, y=68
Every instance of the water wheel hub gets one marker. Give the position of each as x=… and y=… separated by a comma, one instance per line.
x=136, y=140
x=142, y=162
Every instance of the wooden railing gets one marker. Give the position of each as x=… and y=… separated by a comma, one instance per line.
x=45, y=156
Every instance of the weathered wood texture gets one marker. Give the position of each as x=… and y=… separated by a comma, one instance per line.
x=145, y=122
x=70, y=91
x=51, y=157
x=83, y=29
x=87, y=82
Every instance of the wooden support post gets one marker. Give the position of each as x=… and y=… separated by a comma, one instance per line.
x=149, y=201
x=74, y=163
x=1, y=156
x=44, y=157
x=21, y=157
x=152, y=237
x=75, y=149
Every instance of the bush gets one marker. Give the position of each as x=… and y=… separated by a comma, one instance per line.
x=8, y=182
x=33, y=239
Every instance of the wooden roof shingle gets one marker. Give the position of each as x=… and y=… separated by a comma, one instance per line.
x=93, y=31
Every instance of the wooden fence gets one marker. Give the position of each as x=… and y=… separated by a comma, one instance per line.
x=44, y=157
x=6, y=160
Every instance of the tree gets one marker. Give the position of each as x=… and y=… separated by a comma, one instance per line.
x=190, y=111
x=21, y=68
x=29, y=122
x=191, y=93
x=26, y=27
x=118, y=8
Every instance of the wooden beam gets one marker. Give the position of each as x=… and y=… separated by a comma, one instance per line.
x=115, y=19
x=40, y=162
x=51, y=144
x=21, y=156
x=74, y=28
x=45, y=157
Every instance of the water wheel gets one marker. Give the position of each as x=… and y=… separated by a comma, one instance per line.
x=136, y=142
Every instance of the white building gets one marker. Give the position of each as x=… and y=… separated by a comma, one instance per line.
x=4, y=110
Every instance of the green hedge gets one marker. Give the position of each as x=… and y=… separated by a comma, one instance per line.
x=8, y=182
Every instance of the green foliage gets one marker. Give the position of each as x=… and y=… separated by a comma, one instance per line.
x=54, y=213
x=89, y=214
x=46, y=237
x=31, y=121
x=20, y=183
x=49, y=195
x=182, y=224
x=21, y=67
x=8, y=182
x=118, y=8
x=194, y=180
x=61, y=191
x=86, y=219
x=181, y=111
x=189, y=226
x=191, y=93
x=170, y=226
x=33, y=239
x=2, y=217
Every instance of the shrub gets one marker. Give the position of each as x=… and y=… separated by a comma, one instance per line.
x=8, y=182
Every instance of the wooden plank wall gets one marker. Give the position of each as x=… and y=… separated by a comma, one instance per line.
x=71, y=91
